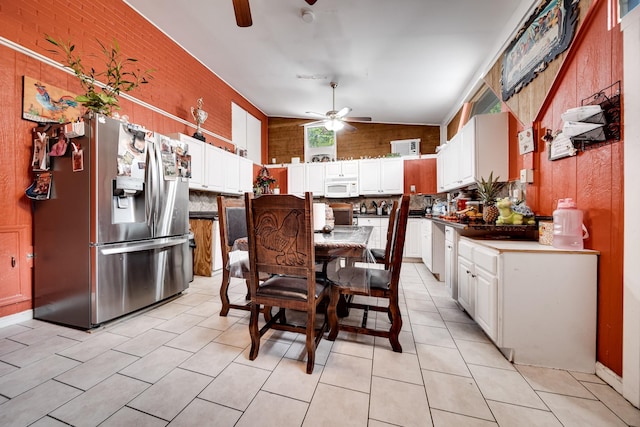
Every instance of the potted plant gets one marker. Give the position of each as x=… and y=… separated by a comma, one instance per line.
x=102, y=96
x=488, y=191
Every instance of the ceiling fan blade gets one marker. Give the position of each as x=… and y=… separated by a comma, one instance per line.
x=357, y=119
x=318, y=122
x=243, y=13
x=311, y=2
x=340, y=114
x=313, y=113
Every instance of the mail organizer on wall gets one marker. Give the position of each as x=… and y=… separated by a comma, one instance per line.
x=597, y=121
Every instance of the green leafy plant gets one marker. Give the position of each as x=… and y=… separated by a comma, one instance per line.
x=102, y=88
x=488, y=191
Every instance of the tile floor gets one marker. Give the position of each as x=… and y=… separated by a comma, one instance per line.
x=181, y=364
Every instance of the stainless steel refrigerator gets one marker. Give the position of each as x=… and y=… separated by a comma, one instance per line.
x=113, y=236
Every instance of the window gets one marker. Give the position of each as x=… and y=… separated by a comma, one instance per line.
x=486, y=103
x=319, y=143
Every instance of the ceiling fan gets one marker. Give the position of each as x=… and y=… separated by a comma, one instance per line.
x=243, y=12
x=336, y=119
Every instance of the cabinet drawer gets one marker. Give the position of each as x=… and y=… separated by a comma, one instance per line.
x=465, y=250
x=486, y=259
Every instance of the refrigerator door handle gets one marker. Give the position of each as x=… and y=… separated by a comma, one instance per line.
x=143, y=246
x=149, y=188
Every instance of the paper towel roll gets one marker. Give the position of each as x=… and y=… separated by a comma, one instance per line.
x=319, y=218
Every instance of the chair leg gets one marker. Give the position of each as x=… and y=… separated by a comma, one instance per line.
x=311, y=341
x=224, y=296
x=254, y=332
x=332, y=312
x=396, y=325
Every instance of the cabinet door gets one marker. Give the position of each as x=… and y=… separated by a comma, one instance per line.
x=254, y=139
x=467, y=154
x=450, y=269
x=246, y=175
x=452, y=163
x=369, y=176
x=440, y=176
x=466, y=288
x=314, y=178
x=391, y=176
x=427, y=249
x=412, y=245
x=231, y=173
x=196, y=149
x=295, y=179
x=374, y=240
x=349, y=167
x=486, y=311
x=238, y=126
x=214, y=168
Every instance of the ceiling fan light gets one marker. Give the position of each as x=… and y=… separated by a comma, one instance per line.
x=334, y=125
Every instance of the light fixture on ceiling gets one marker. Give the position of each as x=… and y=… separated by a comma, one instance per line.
x=307, y=15
x=334, y=124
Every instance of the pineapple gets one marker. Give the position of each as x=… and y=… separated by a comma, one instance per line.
x=488, y=191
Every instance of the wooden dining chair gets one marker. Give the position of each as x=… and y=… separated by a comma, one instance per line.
x=342, y=213
x=233, y=226
x=381, y=284
x=281, y=244
x=383, y=256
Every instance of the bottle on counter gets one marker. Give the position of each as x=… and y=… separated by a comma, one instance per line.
x=363, y=208
x=568, y=229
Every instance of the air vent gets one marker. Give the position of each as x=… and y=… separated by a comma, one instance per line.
x=406, y=147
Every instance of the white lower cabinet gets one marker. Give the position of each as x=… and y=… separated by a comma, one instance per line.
x=535, y=302
x=450, y=260
x=433, y=247
x=413, y=239
x=378, y=238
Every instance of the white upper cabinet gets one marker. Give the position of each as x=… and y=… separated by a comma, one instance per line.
x=246, y=132
x=196, y=151
x=381, y=176
x=232, y=172
x=295, y=179
x=314, y=178
x=341, y=169
x=214, y=169
x=481, y=147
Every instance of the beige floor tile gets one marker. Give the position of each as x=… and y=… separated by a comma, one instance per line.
x=456, y=394
x=99, y=403
x=455, y=315
x=236, y=335
x=290, y=379
x=170, y=395
x=589, y=378
x=396, y=366
x=131, y=417
x=444, y=302
x=180, y=323
x=432, y=335
x=615, y=402
x=194, y=339
x=206, y=309
x=298, y=351
x=94, y=346
x=5, y=368
x=427, y=318
x=146, y=342
x=467, y=331
x=376, y=423
x=505, y=386
x=406, y=341
x=335, y=406
x=203, y=413
x=354, y=344
x=236, y=386
x=13, y=330
x=484, y=354
x=38, y=351
x=270, y=354
x=21, y=380
x=36, y=403
x=220, y=323
x=577, y=412
x=169, y=310
x=156, y=364
x=52, y=422
x=442, y=359
x=348, y=371
x=514, y=415
x=42, y=332
x=9, y=346
x=134, y=326
x=420, y=305
x=398, y=403
x=272, y=410
x=193, y=298
x=212, y=359
x=96, y=370
x=448, y=419
x=554, y=381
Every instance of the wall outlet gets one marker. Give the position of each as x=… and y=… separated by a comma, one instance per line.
x=526, y=176
x=413, y=188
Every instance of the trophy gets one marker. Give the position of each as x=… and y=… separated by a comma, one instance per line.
x=199, y=116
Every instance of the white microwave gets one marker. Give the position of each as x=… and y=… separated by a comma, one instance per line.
x=341, y=187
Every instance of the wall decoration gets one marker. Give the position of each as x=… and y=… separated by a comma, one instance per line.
x=319, y=144
x=44, y=103
x=525, y=141
x=546, y=34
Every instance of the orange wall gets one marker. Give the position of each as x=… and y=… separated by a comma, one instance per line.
x=594, y=178
x=179, y=80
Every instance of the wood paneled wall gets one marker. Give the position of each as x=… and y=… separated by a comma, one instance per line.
x=286, y=139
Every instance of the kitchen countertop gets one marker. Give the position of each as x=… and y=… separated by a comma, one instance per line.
x=484, y=227
x=212, y=215
x=524, y=246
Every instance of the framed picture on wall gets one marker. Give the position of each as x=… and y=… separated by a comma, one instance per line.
x=546, y=34
x=44, y=103
x=525, y=141
x=319, y=144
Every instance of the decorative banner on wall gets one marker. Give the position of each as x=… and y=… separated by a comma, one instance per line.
x=44, y=103
x=546, y=34
x=525, y=141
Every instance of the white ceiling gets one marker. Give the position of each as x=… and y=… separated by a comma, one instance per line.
x=396, y=61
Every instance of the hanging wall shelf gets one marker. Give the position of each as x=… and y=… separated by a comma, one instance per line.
x=609, y=100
